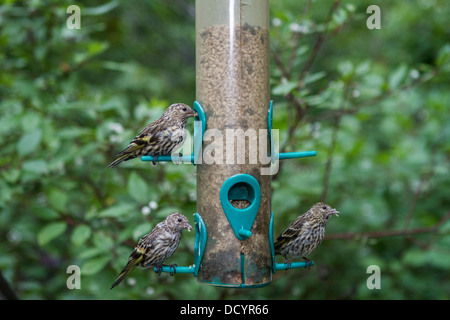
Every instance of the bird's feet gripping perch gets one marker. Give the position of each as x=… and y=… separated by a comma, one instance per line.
x=172, y=266
x=287, y=263
x=180, y=155
x=158, y=269
x=308, y=264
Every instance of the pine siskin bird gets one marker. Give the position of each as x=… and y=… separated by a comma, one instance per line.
x=157, y=246
x=161, y=137
x=305, y=233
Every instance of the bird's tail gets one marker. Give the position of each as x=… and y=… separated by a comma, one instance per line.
x=120, y=159
x=278, y=244
x=132, y=262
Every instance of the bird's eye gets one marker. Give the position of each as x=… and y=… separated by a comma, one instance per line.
x=179, y=219
x=184, y=109
x=324, y=207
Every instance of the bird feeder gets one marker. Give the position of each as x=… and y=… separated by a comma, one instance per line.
x=233, y=198
x=233, y=146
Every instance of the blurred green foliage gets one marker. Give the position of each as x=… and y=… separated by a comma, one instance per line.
x=375, y=104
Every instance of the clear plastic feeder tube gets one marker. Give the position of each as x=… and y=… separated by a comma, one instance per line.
x=232, y=85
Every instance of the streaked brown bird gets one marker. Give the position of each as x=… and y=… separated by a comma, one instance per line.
x=157, y=246
x=304, y=234
x=161, y=137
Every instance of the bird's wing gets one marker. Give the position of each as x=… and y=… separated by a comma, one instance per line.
x=147, y=242
x=148, y=136
x=153, y=239
x=293, y=229
x=134, y=145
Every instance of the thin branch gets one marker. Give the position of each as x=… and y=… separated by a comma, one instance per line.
x=300, y=113
x=97, y=191
x=337, y=122
x=297, y=37
x=287, y=70
x=6, y=289
x=301, y=106
x=327, y=173
x=319, y=41
x=424, y=179
x=279, y=63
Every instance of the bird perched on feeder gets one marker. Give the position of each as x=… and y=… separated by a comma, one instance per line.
x=157, y=246
x=304, y=234
x=161, y=137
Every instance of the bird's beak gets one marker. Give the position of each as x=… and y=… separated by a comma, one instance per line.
x=188, y=227
x=334, y=211
x=193, y=114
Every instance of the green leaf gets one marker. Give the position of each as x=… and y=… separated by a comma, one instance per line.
x=319, y=99
x=11, y=176
x=80, y=234
x=443, y=55
x=72, y=132
x=363, y=68
x=29, y=142
x=396, y=78
x=35, y=166
x=95, y=265
x=58, y=199
x=137, y=188
x=96, y=47
x=117, y=210
x=314, y=77
x=99, y=10
x=91, y=252
x=284, y=88
x=417, y=258
x=103, y=241
x=340, y=16
x=345, y=68
x=45, y=213
x=50, y=232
